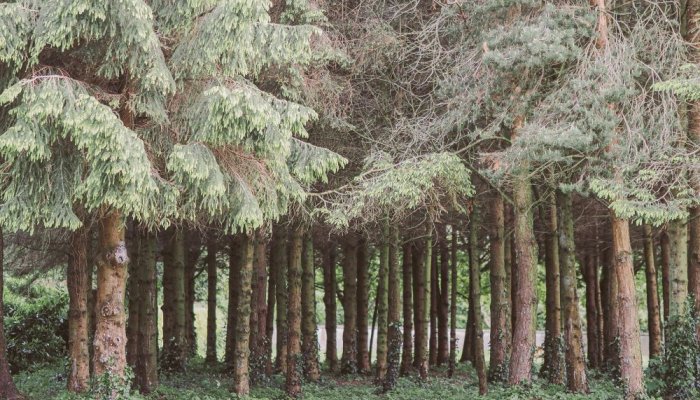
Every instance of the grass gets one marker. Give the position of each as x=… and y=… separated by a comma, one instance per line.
x=202, y=382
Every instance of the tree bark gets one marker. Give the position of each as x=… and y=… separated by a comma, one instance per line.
x=382, y=308
x=147, y=378
x=312, y=371
x=434, y=304
x=423, y=366
x=576, y=379
x=278, y=261
x=418, y=262
x=553, y=367
x=653, y=313
x=394, y=313
x=192, y=252
x=110, y=332
x=211, y=357
x=78, y=324
x=132, y=288
x=294, y=356
x=329, y=296
x=270, y=316
x=453, y=304
x=628, y=324
x=241, y=377
x=524, y=273
x=500, y=332
x=234, y=276
x=363, y=363
x=665, y=271
x=8, y=390
x=592, y=328
x=349, y=358
x=475, y=300
x=407, y=295
x=610, y=307
x=678, y=267
x=258, y=322
x=174, y=356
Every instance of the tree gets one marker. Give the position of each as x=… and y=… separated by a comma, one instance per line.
x=294, y=371
x=312, y=371
x=500, y=299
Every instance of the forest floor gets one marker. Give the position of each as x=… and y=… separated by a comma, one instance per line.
x=203, y=382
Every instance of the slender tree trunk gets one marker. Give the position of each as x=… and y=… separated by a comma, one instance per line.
x=599, y=305
x=329, y=296
x=407, y=347
x=500, y=332
x=8, y=390
x=524, y=274
x=241, y=378
x=349, y=358
x=110, y=332
x=394, y=313
x=509, y=261
x=475, y=300
x=468, y=346
x=211, y=357
x=576, y=379
x=294, y=307
x=382, y=309
x=278, y=260
x=423, y=366
x=678, y=268
x=654, y=316
x=592, y=328
x=610, y=307
x=147, y=379
x=312, y=371
x=453, y=303
x=258, y=318
x=132, y=287
x=418, y=262
x=174, y=333
x=434, y=304
x=444, y=300
x=363, y=306
x=192, y=256
x=665, y=271
x=628, y=324
x=553, y=367
x=78, y=325
x=270, y=316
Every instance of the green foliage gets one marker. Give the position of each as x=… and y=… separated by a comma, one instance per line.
x=36, y=327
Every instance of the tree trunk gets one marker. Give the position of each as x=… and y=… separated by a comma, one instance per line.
x=434, y=304
x=610, y=307
x=524, y=273
x=453, y=304
x=576, y=379
x=329, y=296
x=665, y=271
x=147, y=378
x=211, y=357
x=678, y=268
x=110, y=332
x=312, y=371
x=8, y=390
x=234, y=276
x=475, y=301
x=553, y=367
x=132, y=288
x=382, y=309
x=599, y=304
x=592, y=328
x=192, y=256
x=174, y=334
x=241, y=377
x=258, y=316
x=444, y=300
x=270, y=316
x=294, y=306
x=278, y=261
x=500, y=332
x=394, y=313
x=654, y=318
x=418, y=262
x=78, y=325
x=363, y=306
x=407, y=274
x=628, y=324
x=423, y=366
x=349, y=358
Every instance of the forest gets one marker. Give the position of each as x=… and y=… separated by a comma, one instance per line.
x=349, y=199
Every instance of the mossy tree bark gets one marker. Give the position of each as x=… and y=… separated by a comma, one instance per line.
x=394, y=312
x=407, y=303
x=329, y=300
x=278, y=262
x=475, y=300
x=175, y=351
x=553, y=366
x=78, y=324
x=8, y=390
x=500, y=299
x=678, y=267
x=294, y=309
x=420, y=342
x=349, y=358
x=241, y=377
x=363, y=363
x=653, y=312
x=110, y=330
x=147, y=364
x=212, y=278
x=312, y=371
x=576, y=379
x=382, y=308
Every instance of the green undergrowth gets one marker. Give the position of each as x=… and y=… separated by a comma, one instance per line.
x=203, y=382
